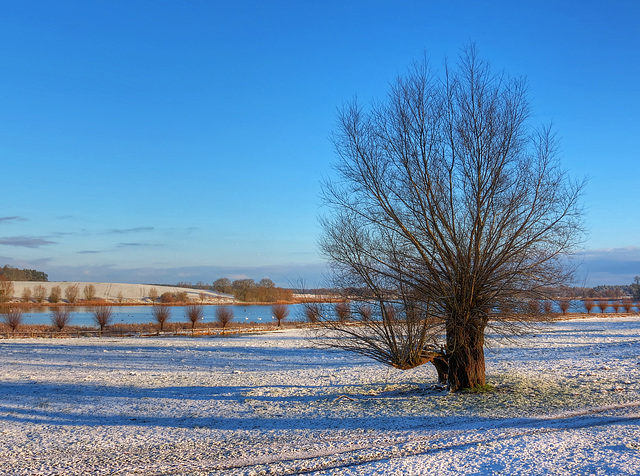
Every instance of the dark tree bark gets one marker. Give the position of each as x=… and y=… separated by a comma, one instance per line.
x=465, y=351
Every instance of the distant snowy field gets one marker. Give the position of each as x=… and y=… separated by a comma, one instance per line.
x=567, y=402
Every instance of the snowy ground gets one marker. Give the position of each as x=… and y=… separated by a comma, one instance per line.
x=567, y=401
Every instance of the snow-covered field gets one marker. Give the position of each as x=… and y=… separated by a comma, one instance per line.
x=567, y=401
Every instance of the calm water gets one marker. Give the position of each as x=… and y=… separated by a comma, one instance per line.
x=82, y=316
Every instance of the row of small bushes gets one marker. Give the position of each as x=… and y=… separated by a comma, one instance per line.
x=103, y=315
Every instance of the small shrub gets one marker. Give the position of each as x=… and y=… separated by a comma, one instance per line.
x=564, y=305
x=312, y=312
x=102, y=316
x=533, y=306
x=589, y=305
x=194, y=313
x=280, y=312
x=343, y=311
x=6, y=289
x=166, y=298
x=89, y=292
x=39, y=293
x=26, y=294
x=60, y=317
x=181, y=296
x=12, y=317
x=365, y=312
x=55, y=294
x=71, y=293
x=224, y=315
x=603, y=305
x=153, y=294
x=161, y=313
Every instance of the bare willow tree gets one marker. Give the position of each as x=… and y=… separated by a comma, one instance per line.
x=39, y=293
x=161, y=313
x=224, y=315
x=194, y=314
x=280, y=312
x=55, y=294
x=72, y=292
x=26, y=294
x=102, y=316
x=6, y=289
x=448, y=207
x=60, y=317
x=89, y=292
x=12, y=317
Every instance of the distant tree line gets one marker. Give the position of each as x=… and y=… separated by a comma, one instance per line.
x=606, y=291
x=247, y=290
x=16, y=274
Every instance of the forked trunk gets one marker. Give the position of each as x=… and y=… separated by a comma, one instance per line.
x=465, y=351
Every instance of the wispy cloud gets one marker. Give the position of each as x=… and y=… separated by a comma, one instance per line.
x=134, y=244
x=13, y=218
x=25, y=241
x=88, y=252
x=122, y=231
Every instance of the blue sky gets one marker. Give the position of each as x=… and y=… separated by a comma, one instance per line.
x=165, y=141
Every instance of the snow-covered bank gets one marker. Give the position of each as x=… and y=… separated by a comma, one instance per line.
x=567, y=402
x=119, y=291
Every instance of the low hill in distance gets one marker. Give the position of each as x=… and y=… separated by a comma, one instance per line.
x=132, y=293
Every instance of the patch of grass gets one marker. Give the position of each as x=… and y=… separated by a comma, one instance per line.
x=486, y=388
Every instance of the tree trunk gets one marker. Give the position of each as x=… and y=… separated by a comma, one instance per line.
x=465, y=352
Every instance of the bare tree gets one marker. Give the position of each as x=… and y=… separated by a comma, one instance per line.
x=365, y=312
x=627, y=304
x=224, y=315
x=603, y=305
x=547, y=306
x=343, y=311
x=89, y=292
x=194, y=313
x=564, y=304
x=589, y=305
x=447, y=206
x=102, y=316
x=161, y=313
x=55, y=294
x=39, y=293
x=12, y=317
x=6, y=289
x=26, y=294
x=280, y=312
x=312, y=311
x=60, y=317
x=153, y=294
x=71, y=293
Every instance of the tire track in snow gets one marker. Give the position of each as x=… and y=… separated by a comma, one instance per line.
x=348, y=455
